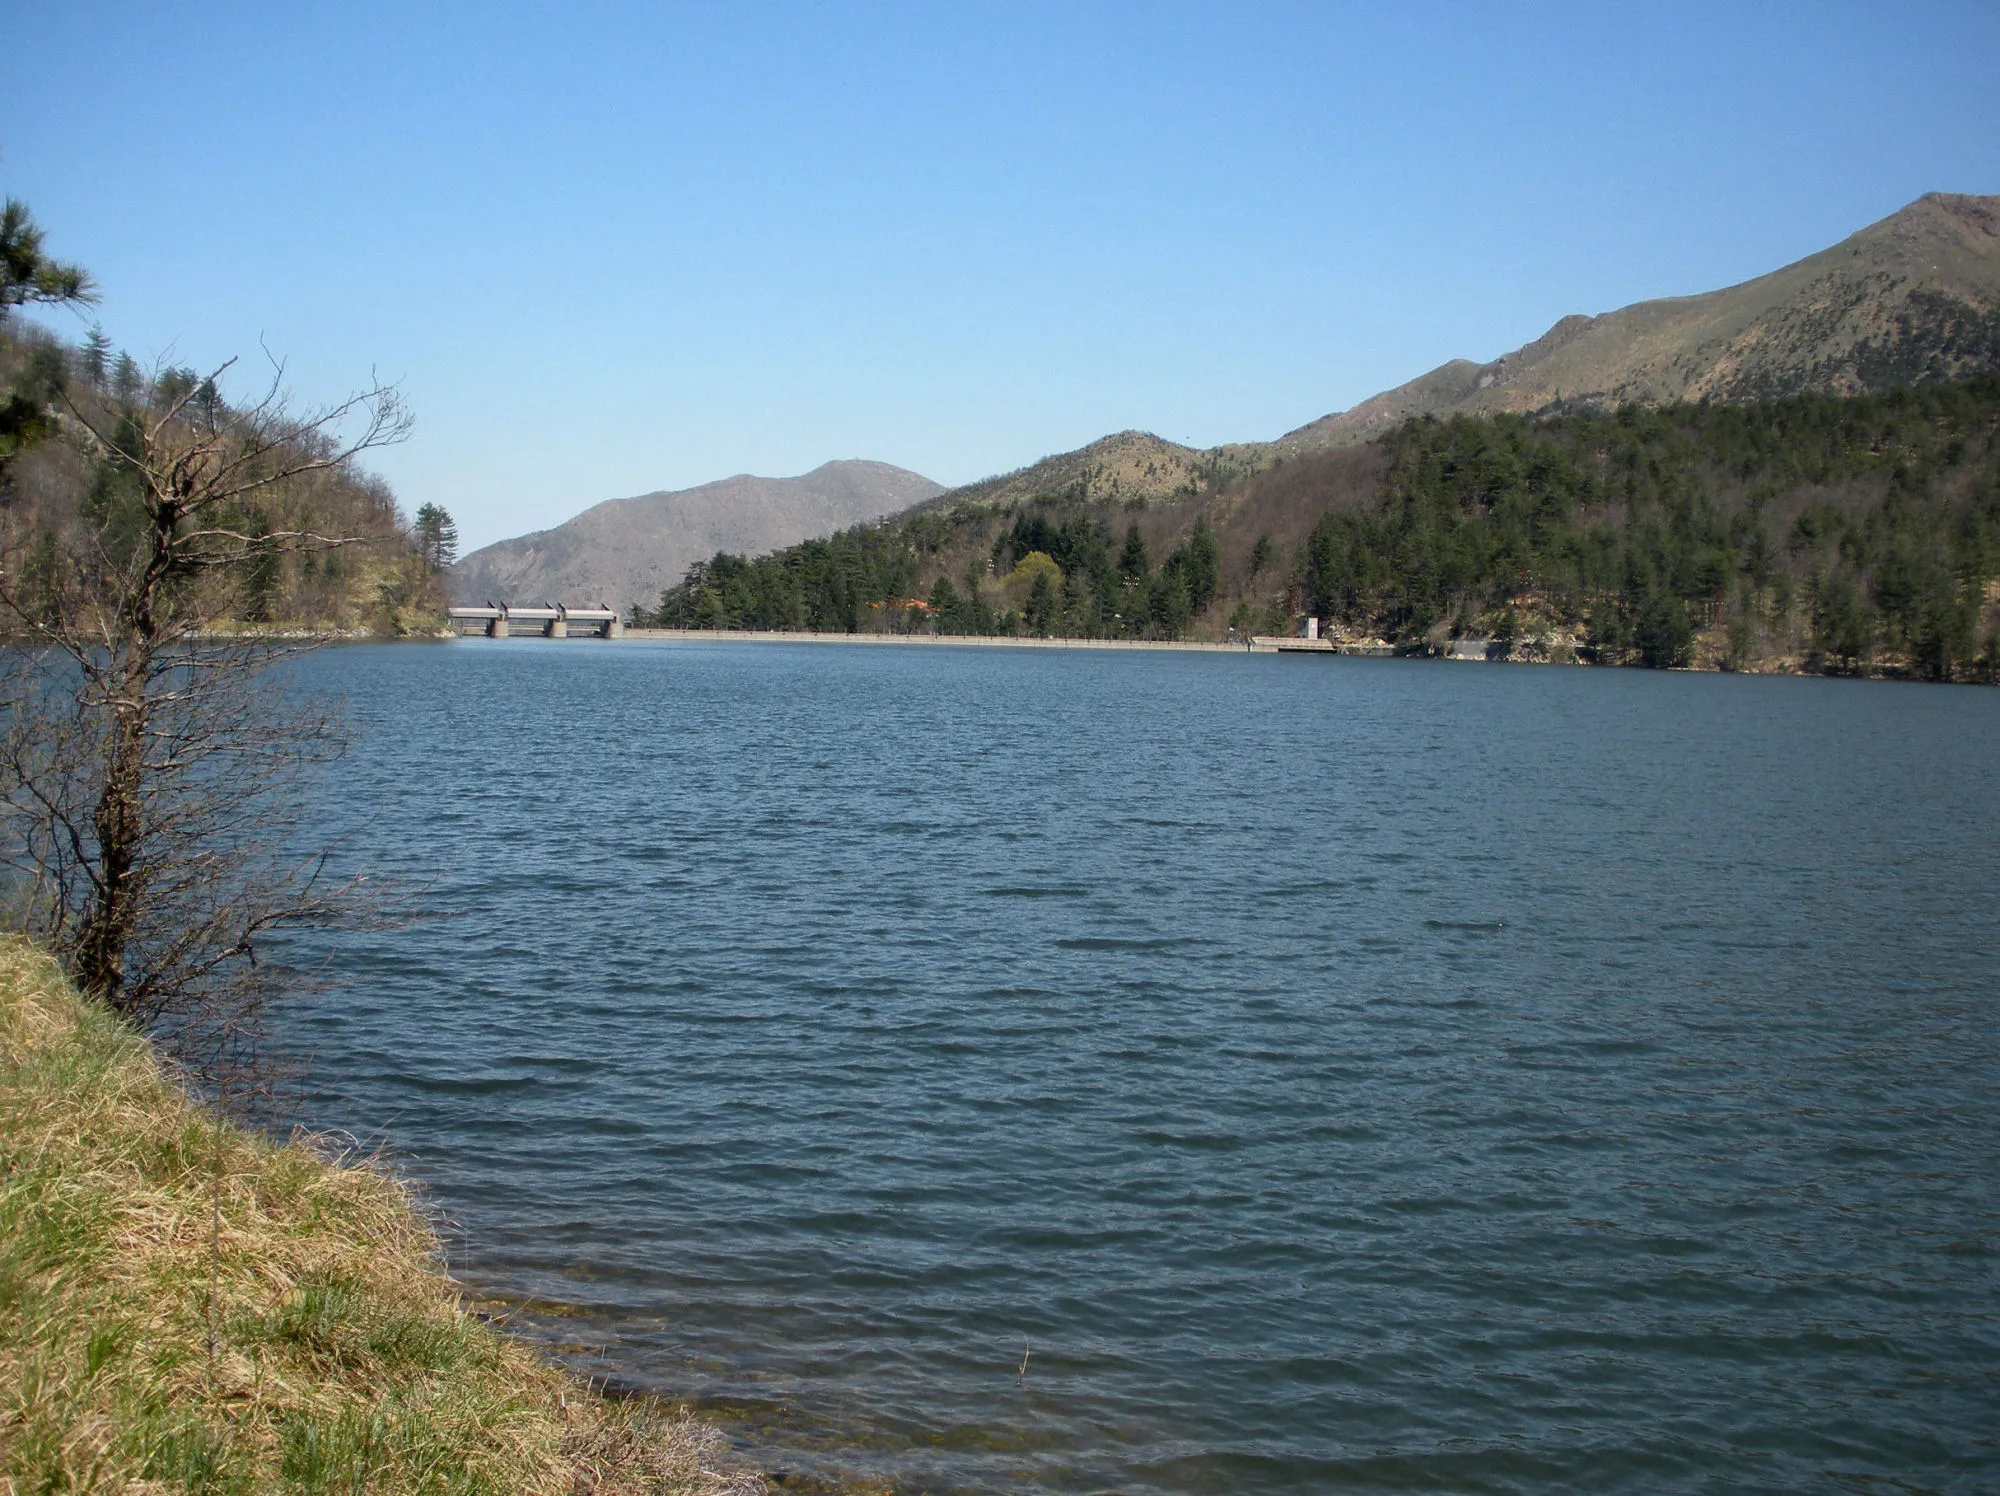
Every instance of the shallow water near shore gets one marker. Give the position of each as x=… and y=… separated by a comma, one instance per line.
x=1330, y=1074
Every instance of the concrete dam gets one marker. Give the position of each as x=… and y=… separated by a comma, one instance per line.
x=554, y=621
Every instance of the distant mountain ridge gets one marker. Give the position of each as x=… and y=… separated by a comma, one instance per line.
x=626, y=551
x=1912, y=298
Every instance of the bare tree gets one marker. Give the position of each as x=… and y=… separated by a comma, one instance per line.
x=152, y=761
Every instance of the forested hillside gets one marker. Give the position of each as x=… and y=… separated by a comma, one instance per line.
x=60, y=497
x=1814, y=533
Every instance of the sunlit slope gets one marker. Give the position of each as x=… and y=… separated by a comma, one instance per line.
x=1915, y=297
x=1127, y=467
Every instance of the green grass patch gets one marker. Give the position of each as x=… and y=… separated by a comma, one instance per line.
x=188, y=1307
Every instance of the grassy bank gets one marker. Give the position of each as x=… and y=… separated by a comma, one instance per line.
x=189, y=1307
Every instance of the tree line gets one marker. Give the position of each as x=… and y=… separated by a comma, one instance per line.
x=1045, y=573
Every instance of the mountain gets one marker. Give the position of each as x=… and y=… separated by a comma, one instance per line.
x=626, y=551
x=1913, y=298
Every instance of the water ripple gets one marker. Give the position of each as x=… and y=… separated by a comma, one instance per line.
x=1343, y=1074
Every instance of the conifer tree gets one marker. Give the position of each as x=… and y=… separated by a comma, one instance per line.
x=437, y=537
x=126, y=379
x=1132, y=561
x=1202, y=565
x=95, y=359
x=27, y=277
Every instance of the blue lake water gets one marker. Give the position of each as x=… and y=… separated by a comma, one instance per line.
x=1343, y=1074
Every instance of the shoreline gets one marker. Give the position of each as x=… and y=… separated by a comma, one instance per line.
x=973, y=641
x=1257, y=644
x=1261, y=644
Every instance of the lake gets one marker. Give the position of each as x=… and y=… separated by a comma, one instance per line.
x=1326, y=1073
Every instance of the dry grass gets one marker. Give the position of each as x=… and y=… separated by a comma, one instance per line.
x=189, y=1307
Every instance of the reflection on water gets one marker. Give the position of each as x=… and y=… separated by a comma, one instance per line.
x=1346, y=1074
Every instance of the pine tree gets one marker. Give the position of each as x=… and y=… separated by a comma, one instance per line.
x=437, y=537
x=1170, y=606
x=1132, y=561
x=96, y=357
x=208, y=402
x=1202, y=565
x=28, y=275
x=126, y=380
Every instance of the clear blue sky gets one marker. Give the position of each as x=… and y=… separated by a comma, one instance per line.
x=608, y=249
